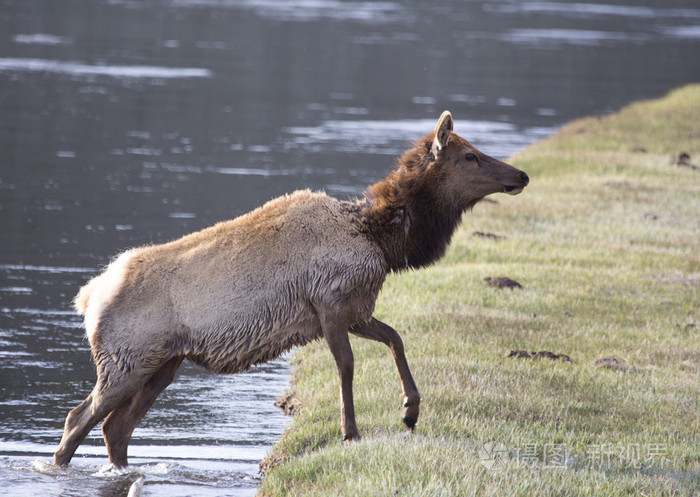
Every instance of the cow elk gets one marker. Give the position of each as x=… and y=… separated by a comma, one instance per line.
x=300, y=268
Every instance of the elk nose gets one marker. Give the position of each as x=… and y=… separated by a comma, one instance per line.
x=525, y=178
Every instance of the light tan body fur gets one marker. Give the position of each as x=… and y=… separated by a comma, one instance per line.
x=243, y=291
x=301, y=267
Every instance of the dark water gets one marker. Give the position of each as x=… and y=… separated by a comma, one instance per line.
x=124, y=122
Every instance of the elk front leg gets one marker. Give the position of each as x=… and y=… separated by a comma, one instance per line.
x=376, y=330
x=335, y=331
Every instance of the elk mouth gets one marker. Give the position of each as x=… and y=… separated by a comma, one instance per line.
x=513, y=190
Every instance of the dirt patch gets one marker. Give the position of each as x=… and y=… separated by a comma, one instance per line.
x=542, y=354
x=502, y=282
x=690, y=367
x=684, y=160
x=271, y=461
x=611, y=363
x=289, y=404
x=291, y=407
x=488, y=236
x=627, y=186
x=692, y=280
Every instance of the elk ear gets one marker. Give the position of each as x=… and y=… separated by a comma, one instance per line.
x=442, y=133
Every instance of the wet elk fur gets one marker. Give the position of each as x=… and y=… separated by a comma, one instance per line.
x=300, y=268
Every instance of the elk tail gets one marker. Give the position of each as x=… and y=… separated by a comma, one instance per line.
x=81, y=301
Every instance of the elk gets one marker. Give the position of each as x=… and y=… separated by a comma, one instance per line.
x=302, y=267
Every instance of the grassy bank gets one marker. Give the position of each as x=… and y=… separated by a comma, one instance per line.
x=606, y=244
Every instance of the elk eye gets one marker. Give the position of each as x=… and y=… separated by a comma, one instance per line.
x=470, y=157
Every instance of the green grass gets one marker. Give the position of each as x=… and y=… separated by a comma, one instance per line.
x=606, y=243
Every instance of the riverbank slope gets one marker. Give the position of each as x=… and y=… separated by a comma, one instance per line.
x=605, y=243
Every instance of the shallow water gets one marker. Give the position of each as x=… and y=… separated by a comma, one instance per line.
x=125, y=122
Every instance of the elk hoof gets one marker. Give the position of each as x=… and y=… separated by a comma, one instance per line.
x=410, y=422
x=351, y=438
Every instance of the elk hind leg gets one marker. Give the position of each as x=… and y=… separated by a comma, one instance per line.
x=122, y=421
x=83, y=418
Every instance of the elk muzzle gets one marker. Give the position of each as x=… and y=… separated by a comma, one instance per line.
x=522, y=180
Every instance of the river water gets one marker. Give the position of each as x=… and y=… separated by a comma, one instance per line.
x=125, y=122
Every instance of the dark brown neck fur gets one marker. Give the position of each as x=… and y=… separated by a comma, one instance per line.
x=405, y=213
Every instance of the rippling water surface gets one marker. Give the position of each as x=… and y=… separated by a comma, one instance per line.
x=126, y=122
